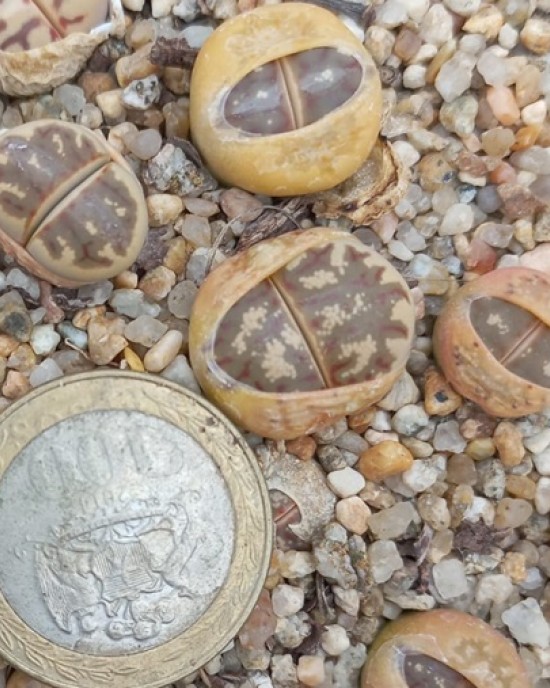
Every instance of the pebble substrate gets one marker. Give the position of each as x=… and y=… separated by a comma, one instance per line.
x=463, y=521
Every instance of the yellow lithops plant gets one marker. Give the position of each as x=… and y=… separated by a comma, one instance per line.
x=285, y=100
x=443, y=648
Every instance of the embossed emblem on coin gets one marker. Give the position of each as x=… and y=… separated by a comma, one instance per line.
x=133, y=519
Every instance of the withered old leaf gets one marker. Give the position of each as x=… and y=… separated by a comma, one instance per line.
x=274, y=221
x=376, y=188
x=304, y=482
x=475, y=537
x=173, y=52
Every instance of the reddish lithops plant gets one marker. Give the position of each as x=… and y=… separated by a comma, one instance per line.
x=443, y=648
x=492, y=340
x=300, y=330
x=71, y=210
x=284, y=100
x=46, y=42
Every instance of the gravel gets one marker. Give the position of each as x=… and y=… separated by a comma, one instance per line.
x=465, y=520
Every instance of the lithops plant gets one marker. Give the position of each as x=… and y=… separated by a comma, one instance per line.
x=300, y=330
x=492, y=341
x=443, y=648
x=46, y=42
x=285, y=100
x=71, y=210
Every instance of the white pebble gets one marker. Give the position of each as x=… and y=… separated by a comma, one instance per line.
x=455, y=76
x=391, y=14
x=44, y=340
x=508, y=37
x=384, y=560
x=416, y=9
x=297, y=564
x=287, y=600
x=426, y=52
x=542, y=496
x=542, y=462
x=400, y=251
x=458, y=220
x=181, y=372
x=493, y=587
x=437, y=25
x=465, y=8
x=161, y=8
x=420, y=476
x=21, y=280
x=133, y=5
x=346, y=482
x=407, y=153
x=414, y=76
x=539, y=442
x=534, y=113
x=45, y=372
x=527, y=623
x=450, y=579
x=480, y=508
x=348, y=600
x=334, y=640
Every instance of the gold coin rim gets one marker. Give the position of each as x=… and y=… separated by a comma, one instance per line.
x=51, y=403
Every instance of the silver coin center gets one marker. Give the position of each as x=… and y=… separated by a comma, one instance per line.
x=117, y=532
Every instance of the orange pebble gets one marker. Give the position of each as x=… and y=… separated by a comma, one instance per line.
x=526, y=137
x=504, y=173
x=503, y=104
x=384, y=459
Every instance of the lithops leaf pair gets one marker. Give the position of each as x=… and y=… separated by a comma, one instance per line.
x=45, y=42
x=443, y=648
x=284, y=100
x=492, y=341
x=300, y=330
x=71, y=210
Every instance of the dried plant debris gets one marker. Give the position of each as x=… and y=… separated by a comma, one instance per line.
x=475, y=537
x=173, y=52
x=304, y=483
x=371, y=192
x=274, y=221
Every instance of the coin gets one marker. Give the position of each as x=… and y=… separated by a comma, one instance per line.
x=136, y=531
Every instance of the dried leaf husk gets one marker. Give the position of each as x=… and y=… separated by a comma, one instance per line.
x=375, y=189
x=274, y=221
x=30, y=72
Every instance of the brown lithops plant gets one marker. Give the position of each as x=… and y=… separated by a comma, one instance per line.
x=46, y=42
x=71, y=210
x=298, y=331
x=284, y=100
x=492, y=341
x=443, y=648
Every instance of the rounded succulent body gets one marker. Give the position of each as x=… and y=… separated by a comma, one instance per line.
x=300, y=330
x=31, y=24
x=443, y=648
x=71, y=210
x=492, y=341
x=284, y=100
